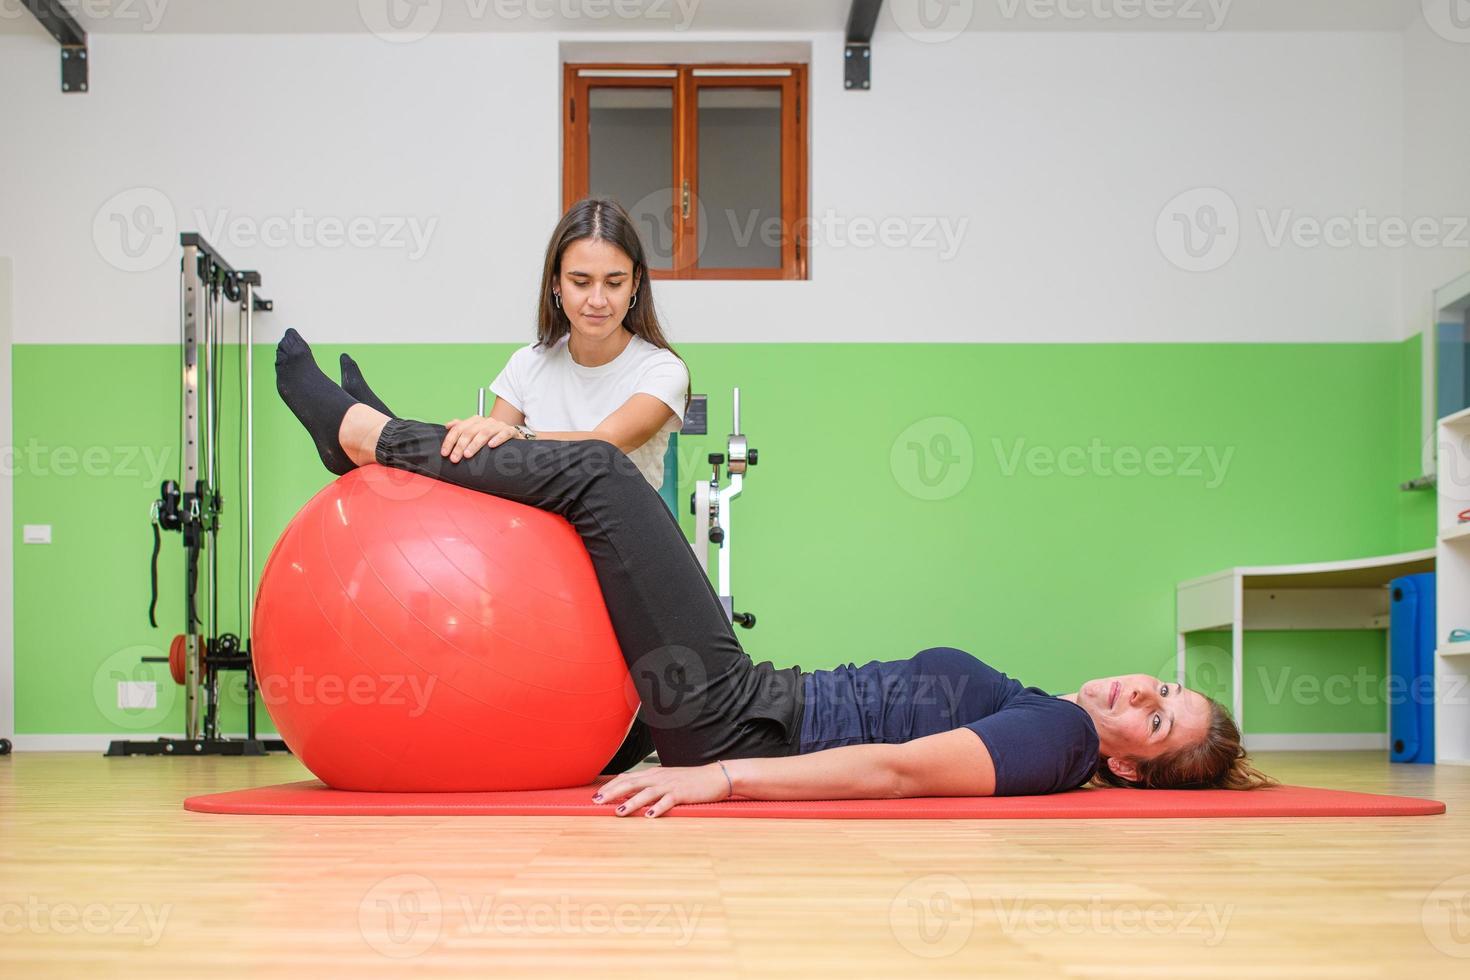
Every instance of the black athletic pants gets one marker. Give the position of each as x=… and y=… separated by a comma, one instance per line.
x=702, y=696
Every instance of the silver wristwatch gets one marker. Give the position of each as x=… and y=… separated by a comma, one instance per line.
x=525, y=432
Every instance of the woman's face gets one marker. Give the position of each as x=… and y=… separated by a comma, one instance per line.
x=596, y=285
x=1141, y=717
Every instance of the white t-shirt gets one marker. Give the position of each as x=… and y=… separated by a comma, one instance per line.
x=556, y=394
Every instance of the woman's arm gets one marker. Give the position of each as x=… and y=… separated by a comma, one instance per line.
x=506, y=412
x=848, y=772
x=638, y=420
x=635, y=422
x=953, y=763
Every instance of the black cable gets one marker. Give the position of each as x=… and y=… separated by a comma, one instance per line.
x=240, y=579
x=215, y=333
x=153, y=577
x=191, y=565
x=211, y=721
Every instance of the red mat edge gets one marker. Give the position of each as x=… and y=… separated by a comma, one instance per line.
x=1060, y=806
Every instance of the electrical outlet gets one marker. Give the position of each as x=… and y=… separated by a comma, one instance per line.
x=137, y=694
x=36, y=534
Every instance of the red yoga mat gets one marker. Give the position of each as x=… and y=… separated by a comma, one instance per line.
x=313, y=798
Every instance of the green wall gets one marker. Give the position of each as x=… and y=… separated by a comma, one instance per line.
x=1033, y=504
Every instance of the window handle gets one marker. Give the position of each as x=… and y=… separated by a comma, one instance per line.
x=684, y=201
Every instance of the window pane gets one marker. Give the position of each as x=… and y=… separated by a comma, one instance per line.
x=740, y=178
x=630, y=147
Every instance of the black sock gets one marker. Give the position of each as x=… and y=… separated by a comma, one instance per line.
x=355, y=385
x=315, y=399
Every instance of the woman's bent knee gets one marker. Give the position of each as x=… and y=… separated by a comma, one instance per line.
x=598, y=457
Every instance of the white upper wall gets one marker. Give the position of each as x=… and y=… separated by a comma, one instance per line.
x=481, y=16
x=1049, y=158
x=1436, y=162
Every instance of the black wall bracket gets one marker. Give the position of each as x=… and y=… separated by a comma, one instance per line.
x=73, y=40
x=857, y=66
x=857, y=53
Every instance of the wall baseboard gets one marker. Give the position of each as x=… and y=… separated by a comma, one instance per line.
x=97, y=743
x=1315, y=741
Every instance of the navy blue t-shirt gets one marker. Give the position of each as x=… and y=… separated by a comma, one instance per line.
x=1039, y=743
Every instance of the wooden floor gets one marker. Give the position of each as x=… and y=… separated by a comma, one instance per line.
x=102, y=873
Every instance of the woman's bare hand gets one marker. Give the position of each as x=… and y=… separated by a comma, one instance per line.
x=664, y=787
x=467, y=436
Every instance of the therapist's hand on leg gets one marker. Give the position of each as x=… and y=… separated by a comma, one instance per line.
x=468, y=436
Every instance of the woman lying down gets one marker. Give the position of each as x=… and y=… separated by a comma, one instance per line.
x=940, y=723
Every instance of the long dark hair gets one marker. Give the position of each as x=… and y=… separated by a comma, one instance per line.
x=1218, y=761
x=599, y=219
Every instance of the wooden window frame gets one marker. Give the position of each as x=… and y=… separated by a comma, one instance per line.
x=685, y=82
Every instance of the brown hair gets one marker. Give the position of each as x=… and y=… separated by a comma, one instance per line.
x=1218, y=761
x=599, y=219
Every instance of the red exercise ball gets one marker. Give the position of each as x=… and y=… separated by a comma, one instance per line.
x=414, y=636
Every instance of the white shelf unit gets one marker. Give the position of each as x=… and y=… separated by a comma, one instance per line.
x=1452, y=591
x=1458, y=531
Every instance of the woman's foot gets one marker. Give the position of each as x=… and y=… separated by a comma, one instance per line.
x=317, y=402
x=355, y=385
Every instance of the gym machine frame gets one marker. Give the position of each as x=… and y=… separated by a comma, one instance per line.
x=196, y=659
x=710, y=506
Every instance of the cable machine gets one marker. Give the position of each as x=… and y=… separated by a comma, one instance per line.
x=710, y=505
x=193, y=506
